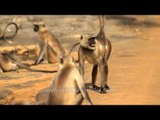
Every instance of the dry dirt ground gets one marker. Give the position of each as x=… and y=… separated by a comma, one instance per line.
x=134, y=65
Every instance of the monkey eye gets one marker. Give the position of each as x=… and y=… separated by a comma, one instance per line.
x=81, y=37
x=35, y=25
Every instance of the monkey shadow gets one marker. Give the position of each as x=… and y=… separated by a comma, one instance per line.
x=89, y=87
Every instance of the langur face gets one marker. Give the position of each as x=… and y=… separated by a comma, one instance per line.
x=39, y=27
x=35, y=28
x=88, y=41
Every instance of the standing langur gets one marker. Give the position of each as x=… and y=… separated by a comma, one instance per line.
x=51, y=54
x=96, y=50
x=67, y=88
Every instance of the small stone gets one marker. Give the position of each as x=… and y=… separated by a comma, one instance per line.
x=6, y=96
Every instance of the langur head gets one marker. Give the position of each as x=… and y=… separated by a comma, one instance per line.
x=88, y=41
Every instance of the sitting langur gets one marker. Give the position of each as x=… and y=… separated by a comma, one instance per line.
x=3, y=33
x=96, y=50
x=48, y=39
x=9, y=63
x=67, y=88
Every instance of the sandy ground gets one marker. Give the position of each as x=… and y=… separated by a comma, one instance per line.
x=133, y=66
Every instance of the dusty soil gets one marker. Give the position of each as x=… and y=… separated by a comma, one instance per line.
x=134, y=65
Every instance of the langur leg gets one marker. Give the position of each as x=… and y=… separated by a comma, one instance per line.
x=94, y=76
x=44, y=58
x=51, y=55
x=43, y=48
x=103, y=77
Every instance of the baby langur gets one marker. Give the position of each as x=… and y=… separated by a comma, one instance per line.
x=67, y=88
x=9, y=63
x=96, y=50
x=48, y=39
x=2, y=33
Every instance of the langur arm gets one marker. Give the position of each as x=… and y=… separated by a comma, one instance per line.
x=81, y=63
x=42, y=52
x=83, y=90
x=103, y=69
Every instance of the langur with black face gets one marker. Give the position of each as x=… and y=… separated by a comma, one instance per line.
x=48, y=39
x=95, y=50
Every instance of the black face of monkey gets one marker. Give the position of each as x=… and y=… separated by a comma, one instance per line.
x=91, y=42
x=36, y=28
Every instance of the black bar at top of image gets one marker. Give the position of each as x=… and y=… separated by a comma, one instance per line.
x=80, y=7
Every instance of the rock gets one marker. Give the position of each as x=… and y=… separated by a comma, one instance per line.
x=6, y=96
